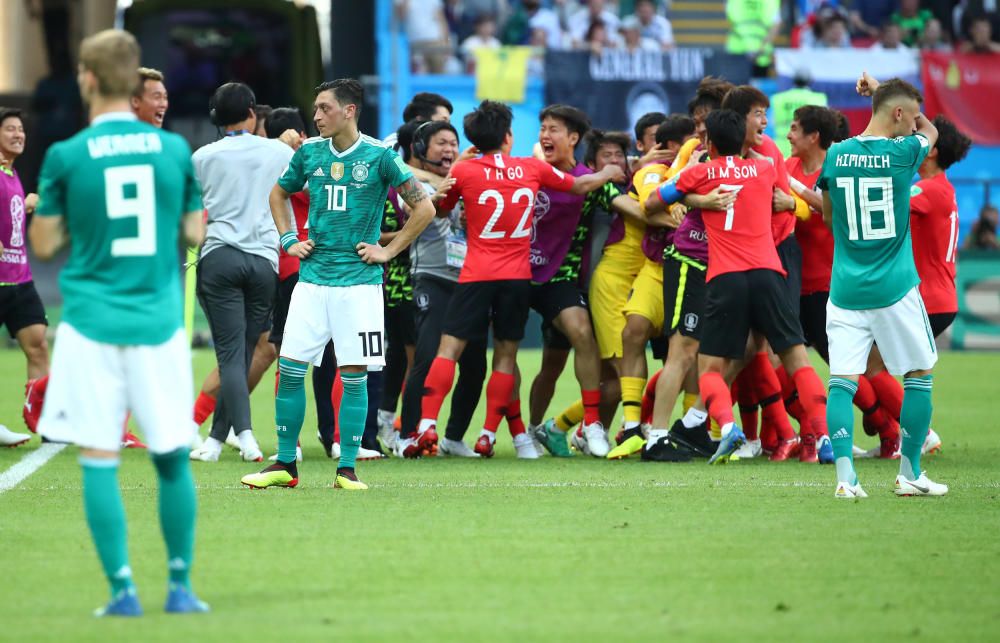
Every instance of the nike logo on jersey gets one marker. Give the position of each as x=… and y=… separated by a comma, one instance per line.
x=318, y=172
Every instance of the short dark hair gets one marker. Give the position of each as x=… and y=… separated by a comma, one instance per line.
x=284, y=118
x=347, y=91
x=10, y=112
x=488, y=125
x=262, y=112
x=711, y=90
x=894, y=88
x=952, y=145
x=231, y=103
x=574, y=119
x=596, y=138
x=742, y=98
x=423, y=106
x=676, y=129
x=727, y=129
x=843, y=131
x=646, y=121
x=814, y=119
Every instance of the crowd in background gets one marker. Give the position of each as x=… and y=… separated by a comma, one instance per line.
x=444, y=34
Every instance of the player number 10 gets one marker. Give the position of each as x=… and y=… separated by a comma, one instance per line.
x=868, y=205
x=336, y=197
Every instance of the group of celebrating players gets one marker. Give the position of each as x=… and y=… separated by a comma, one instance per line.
x=729, y=257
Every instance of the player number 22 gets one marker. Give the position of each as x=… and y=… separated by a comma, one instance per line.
x=140, y=204
x=522, y=230
x=883, y=204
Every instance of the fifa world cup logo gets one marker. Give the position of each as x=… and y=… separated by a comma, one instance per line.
x=16, y=222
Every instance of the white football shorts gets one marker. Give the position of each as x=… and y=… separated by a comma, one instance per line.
x=352, y=316
x=901, y=331
x=92, y=385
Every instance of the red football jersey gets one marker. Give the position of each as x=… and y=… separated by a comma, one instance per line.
x=499, y=195
x=934, y=226
x=782, y=223
x=287, y=264
x=739, y=239
x=815, y=239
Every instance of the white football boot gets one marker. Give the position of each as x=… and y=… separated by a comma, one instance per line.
x=922, y=486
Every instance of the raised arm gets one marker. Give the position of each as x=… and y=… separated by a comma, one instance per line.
x=421, y=214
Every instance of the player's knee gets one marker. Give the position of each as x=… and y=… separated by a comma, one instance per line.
x=636, y=332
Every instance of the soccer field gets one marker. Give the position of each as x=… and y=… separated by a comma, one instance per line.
x=547, y=550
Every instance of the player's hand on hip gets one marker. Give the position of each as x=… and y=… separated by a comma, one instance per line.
x=302, y=249
x=372, y=253
x=866, y=84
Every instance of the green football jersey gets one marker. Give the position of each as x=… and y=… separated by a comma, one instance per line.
x=868, y=180
x=347, y=193
x=122, y=187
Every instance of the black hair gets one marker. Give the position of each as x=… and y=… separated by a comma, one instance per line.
x=819, y=120
x=424, y=105
x=9, y=112
x=347, y=91
x=596, y=138
x=284, y=118
x=574, y=119
x=231, y=103
x=843, y=131
x=743, y=98
x=711, y=90
x=425, y=132
x=676, y=129
x=646, y=121
x=727, y=129
x=952, y=145
x=488, y=125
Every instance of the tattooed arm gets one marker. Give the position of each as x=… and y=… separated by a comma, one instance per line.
x=421, y=214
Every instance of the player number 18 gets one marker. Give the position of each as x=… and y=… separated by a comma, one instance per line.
x=865, y=185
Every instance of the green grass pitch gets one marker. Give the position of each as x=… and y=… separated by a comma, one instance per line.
x=550, y=550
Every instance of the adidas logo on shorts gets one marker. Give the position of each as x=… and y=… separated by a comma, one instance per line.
x=318, y=172
x=841, y=434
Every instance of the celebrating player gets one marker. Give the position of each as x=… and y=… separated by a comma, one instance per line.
x=120, y=346
x=149, y=98
x=339, y=293
x=494, y=285
x=20, y=307
x=874, y=294
x=746, y=290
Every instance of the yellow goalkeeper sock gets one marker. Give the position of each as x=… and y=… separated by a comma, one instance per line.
x=570, y=417
x=632, y=388
x=690, y=399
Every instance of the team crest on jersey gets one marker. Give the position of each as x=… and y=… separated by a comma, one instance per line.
x=337, y=171
x=359, y=172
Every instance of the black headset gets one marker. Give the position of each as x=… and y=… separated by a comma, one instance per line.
x=420, y=143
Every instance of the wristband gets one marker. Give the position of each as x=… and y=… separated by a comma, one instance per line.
x=288, y=240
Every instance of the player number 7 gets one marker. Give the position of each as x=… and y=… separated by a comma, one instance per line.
x=731, y=208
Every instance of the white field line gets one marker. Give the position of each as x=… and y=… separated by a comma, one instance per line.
x=28, y=465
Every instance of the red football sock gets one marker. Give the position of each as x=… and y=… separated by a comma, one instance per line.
x=591, y=406
x=890, y=393
x=813, y=398
x=499, y=391
x=336, y=394
x=649, y=398
x=743, y=393
x=792, y=403
x=277, y=379
x=514, y=421
x=437, y=384
x=875, y=418
x=768, y=390
x=203, y=407
x=716, y=395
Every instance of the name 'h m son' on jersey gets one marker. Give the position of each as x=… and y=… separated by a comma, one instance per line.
x=868, y=181
x=347, y=193
x=499, y=195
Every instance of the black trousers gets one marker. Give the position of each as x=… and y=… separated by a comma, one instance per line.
x=236, y=290
x=323, y=377
x=432, y=296
x=399, y=333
